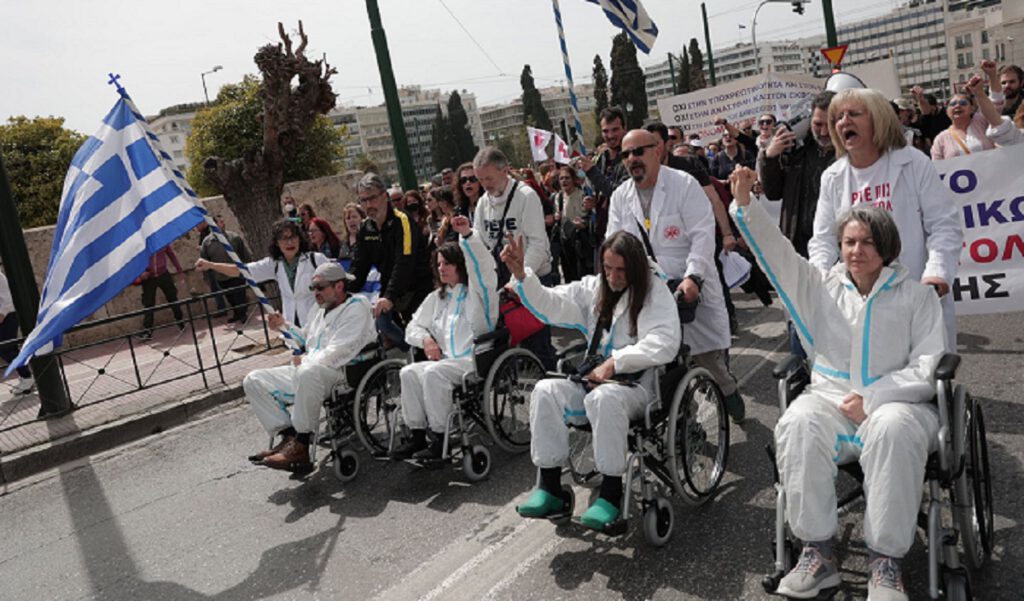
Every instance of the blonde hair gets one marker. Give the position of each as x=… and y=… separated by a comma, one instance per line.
x=888, y=129
x=351, y=206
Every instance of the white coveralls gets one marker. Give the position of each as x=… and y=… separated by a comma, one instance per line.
x=884, y=347
x=925, y=214
x=332, y=340
x=297, y=302
x=682, y=234
x=608, y=407
x=466, y=311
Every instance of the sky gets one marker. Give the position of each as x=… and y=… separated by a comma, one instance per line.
x=57, y=53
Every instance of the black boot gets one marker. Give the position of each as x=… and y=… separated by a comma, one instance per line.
x=434, y=450
x=418, y=442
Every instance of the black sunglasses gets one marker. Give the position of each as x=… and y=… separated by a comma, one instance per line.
x=638, y=151
x=468, y=180
x=765, y=122
x=319, y=287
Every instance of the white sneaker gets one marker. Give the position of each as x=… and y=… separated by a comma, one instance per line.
x=813, y=573
x=885, y=581
x=24, y=385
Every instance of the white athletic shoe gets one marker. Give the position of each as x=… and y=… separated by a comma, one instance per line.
x=813, y=573
x=24, y=385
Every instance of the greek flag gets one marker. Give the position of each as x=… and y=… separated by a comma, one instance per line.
x=122, y=202
x=631, y=16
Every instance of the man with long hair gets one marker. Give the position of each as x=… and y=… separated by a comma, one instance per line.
x=631, y=322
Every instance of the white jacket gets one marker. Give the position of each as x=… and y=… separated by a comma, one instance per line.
x=333, y=339
x=922, y=206
x=525, y=216
x=574, y=306
x=1006, y=133
x=682, y=234
x=296, y=304
x=884, y=347
x=465, y=312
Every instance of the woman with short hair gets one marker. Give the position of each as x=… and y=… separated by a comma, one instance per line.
x=967, y=133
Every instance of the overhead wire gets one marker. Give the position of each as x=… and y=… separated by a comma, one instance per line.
x=473, y=39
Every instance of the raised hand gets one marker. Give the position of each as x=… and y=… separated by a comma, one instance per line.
x=740, y=183
x=513, y=255
x=460, y=223
x=782, y=140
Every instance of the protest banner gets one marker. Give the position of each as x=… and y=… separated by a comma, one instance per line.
x=988, y=193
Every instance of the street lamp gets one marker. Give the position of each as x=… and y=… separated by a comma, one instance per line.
x=203, y=77
x=798, y=8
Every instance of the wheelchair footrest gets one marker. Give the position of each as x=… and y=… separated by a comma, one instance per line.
x=617, y=527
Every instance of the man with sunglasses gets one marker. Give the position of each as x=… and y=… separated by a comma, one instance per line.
x=337, y=329
x=668, y=210
x=390, y=240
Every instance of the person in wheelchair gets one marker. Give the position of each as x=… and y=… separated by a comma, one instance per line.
x=875, y=336
x=630, y=318
x=336, y=330
x=462, y=307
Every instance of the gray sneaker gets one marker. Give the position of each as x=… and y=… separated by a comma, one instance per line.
x=885, y=581
x=812, y=574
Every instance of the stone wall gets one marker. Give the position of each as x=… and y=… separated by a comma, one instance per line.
x=327, y=195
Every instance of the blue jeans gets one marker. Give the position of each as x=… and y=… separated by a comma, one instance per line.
x=795, y=347
x=389, y=328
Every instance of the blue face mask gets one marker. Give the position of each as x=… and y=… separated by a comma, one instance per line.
x=710, y=154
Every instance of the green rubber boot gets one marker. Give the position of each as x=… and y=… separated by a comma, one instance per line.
x=541, y=504
x=600, y=514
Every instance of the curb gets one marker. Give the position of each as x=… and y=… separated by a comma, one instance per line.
x=108, y=436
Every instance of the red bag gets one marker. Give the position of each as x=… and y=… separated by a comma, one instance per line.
x=520, y=322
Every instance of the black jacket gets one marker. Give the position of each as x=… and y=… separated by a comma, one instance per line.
x=795, y=177
x=399, y=252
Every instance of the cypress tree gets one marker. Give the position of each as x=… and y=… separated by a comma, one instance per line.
x=628, y=82
x=533, y=109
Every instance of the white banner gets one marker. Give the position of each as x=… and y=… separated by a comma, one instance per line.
x=561, y=152
x=539, y=139
x=991, y=201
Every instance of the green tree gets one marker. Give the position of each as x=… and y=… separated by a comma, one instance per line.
x=533, y=109
x=462, y=137
x=683, y=77
x=442, y=146
x=37, y=153
x=697, y=80
x=600, y=88
x=516, y=148
x=628, y=82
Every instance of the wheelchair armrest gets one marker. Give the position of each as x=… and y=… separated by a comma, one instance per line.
x=496, y=334
x=787, y=366
x=948, y=364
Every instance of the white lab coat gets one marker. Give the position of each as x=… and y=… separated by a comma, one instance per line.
x=609, y=407
x=682, y=234
x=925, y=213
x=332, y=340
x=884, y=347
x=466, y=311
x=525, y=216
x=297, y=303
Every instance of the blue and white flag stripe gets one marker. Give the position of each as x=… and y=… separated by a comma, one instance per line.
x=120, y=205
x=631, y=16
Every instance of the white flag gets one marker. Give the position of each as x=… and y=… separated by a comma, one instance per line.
x=539, y=139
x=561, y=151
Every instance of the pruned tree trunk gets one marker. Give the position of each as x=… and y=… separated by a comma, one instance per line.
x=252, y=184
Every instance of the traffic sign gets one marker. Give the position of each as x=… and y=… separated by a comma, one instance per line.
x=835, y=55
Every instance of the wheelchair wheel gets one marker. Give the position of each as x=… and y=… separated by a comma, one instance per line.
x=377, y=407
x=973, y=492
x=697, y=437
x=476, y=464
x=659, y=518
x=581, y=458
x=957, y=585
x=506, y=400
x=346, y=465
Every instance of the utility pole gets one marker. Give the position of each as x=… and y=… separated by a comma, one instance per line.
x=832, y=40
x=406, y=174
x=707, y=43
x=53, y=397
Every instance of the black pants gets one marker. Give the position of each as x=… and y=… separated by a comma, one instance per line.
x=164, y=282
x=9, y=351
x=235, y=292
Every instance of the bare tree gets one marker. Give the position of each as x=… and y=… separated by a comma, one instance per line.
x=252, y=184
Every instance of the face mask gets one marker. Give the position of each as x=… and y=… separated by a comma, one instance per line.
x=289, y=210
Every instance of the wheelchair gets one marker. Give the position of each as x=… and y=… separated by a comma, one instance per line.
x=680, y=446
x=958, y=484
x=362, y=409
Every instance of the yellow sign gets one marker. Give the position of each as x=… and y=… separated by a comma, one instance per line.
x=835, y=55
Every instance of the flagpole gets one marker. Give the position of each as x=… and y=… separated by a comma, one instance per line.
x=568, y=76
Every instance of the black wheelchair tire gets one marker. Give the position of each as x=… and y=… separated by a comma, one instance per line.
x=381, y=379
x=503, y=392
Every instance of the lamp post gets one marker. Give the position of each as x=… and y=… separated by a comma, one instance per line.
x=798, y=7
x=203, y=77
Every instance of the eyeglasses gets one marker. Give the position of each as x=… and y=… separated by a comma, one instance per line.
x=852, y=114
x=637, y=152
x=766, y=122
x=364, y=200
x=468, y=180
x=320, y=286
x=960, y=102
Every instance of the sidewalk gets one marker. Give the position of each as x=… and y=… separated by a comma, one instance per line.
x=112, y=410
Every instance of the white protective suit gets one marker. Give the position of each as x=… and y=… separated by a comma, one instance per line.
x=884, y=347
x=682, y=234
x=297, y=303
x=608, y=407
x=1006, y=133
x=466, y=311
x=925, y=214
x=332, y=341
x=525, y=216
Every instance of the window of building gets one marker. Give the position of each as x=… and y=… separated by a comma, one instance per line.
x=984, y=37
x=174, y=139
x=178, y=154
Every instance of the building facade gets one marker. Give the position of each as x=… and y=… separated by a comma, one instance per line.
x=172, y=126
x=508, y=119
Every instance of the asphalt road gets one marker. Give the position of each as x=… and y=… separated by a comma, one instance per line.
x=182, y=515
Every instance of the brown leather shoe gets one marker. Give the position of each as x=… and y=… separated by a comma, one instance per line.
x=258, y=457
x=293, y=457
